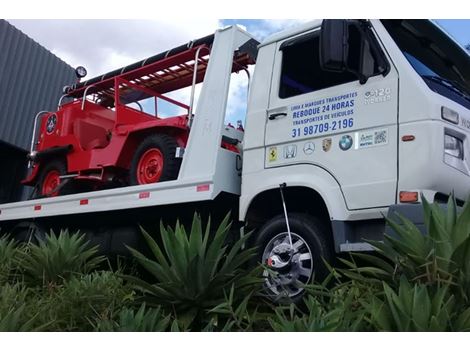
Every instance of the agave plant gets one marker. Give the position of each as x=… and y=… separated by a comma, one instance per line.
x=58, y=258
x=441, y=256
x=192, y=272
x=417, y=307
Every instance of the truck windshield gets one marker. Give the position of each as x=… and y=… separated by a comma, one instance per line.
x=442, y=64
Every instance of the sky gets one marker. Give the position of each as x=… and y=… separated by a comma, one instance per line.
x=104, y=45
x=459, y=29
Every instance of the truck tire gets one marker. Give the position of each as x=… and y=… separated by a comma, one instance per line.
x=155, y=160
x=49, y=180
x=291, y=271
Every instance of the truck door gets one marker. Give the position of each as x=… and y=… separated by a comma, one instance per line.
x=332, y=121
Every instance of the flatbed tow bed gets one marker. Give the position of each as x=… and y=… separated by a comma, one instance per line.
x=208, y=171
x=164, y=193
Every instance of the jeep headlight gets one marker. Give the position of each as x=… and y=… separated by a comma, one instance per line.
x=453, y=146
x=80, y=71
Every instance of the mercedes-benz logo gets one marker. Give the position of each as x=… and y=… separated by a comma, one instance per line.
x=309, y=148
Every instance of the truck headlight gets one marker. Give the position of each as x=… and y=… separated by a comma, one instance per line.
x=449, y=115
x=453, y=146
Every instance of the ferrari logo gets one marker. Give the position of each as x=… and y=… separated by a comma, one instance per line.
x=272, y=154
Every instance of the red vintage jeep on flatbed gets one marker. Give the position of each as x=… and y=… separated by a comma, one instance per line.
x=103, y=138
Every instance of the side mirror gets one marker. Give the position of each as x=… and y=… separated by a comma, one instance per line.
x=334, y=45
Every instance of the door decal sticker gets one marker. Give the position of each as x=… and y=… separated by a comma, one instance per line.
x=323, y=115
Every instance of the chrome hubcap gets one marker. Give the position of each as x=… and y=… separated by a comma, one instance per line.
x=289, y=269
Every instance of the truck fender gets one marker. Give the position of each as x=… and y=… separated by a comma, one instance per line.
x=303, y=175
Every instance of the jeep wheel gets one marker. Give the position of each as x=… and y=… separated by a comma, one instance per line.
x=155, y=160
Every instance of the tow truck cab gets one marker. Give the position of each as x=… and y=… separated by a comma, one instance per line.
x=361, y=119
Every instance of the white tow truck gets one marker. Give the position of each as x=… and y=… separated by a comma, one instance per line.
x=347, y=121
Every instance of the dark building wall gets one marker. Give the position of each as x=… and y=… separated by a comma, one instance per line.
x=31, y=80
x=13, y=169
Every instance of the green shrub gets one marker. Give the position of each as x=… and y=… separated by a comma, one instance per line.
x=144, y=320
x=12, y=321
x=82, y=300
x=74, y=305
x=58, y=258
x=235, y=314
x=18, y=311
x=292, y=319
x=192, y=272
x=342, y=300
x=12, y=296
x=9, y=252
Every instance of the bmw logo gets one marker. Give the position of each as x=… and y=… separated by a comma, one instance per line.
x=345, y=142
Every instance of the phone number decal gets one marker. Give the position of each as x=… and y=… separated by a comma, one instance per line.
x=323, y=127
x=323, y=115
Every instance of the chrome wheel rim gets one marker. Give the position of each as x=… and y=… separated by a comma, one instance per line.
x=287, y=270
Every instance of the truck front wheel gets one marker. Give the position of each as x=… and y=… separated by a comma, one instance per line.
x=289, y=269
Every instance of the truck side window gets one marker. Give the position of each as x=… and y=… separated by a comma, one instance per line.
x=301, y=72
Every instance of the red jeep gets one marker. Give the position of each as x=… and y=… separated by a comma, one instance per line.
x=102, y=138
